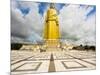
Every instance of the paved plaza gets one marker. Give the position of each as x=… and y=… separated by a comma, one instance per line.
x=29, y=62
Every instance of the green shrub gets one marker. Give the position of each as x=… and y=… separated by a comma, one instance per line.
x=16, y=46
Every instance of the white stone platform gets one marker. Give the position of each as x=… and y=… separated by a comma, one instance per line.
x=29, y=62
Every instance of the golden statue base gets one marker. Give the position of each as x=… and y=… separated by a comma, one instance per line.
x=52, y=45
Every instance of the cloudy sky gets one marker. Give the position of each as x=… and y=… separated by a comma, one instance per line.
x=77, y=22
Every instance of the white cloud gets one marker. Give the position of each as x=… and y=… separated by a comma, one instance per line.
x=75, y=25
x=23, y=28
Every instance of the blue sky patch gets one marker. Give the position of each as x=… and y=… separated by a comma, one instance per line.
x=92, y=11
x=24, y=9
x=42, y=7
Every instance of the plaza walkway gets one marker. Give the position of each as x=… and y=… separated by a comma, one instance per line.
x=29, y=62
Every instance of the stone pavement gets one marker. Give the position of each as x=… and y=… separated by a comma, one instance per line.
x=29, y=62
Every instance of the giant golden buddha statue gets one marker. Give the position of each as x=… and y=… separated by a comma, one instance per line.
x=51, y=33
